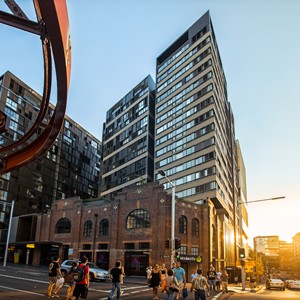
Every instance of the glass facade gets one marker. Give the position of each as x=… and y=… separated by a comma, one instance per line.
x=128, y=140
x=71, y=167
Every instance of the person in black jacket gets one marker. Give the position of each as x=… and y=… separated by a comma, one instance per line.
x=115, y=275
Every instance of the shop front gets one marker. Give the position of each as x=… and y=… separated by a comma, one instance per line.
x=136, y=263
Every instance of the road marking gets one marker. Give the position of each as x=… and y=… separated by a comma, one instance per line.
x=23, y=291
x=27, y=279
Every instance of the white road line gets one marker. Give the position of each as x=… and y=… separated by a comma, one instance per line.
x=23, y=291
x=25, y=279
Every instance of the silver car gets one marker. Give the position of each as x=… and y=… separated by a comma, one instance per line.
x=96, y=273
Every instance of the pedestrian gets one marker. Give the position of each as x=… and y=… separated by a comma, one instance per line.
x=115, y=274
x=148, y=274
x=155, y=280
x=172, y=285
x=211, y=276
x=224, y=281
x=82, y=286
x=163, y=271
x=236, y=280
x=193, y=275
x=53, y=276
x=199, y=283
x=218, y=280
x=179, y=273
x=252, y=283
x=69, y=280
x=163, y=275
x=121, y=280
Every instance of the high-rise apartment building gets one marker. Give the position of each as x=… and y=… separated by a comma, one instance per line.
x=128, y=140
x=71, y=167
x=194, y=132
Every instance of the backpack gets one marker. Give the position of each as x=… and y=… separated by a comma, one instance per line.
x=78, y=274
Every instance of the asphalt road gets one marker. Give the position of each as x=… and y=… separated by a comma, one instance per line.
x=19, y=282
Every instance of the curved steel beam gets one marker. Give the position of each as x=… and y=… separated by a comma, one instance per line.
x=44, y=103
x=55, y=16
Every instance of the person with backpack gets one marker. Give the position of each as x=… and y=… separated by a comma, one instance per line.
x=199, y=284
x=69, y=280
x=81, y=275
x=53, y=276
x=115, y=275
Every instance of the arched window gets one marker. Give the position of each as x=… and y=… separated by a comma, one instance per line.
x=183, y=224
x=195, y=227
x=87, y=230
x=138, y=218
x=104, y=226
x=63, y=226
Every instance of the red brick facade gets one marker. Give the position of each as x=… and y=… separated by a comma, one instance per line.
x=136, y=247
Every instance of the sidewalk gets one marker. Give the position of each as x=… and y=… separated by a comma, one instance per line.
x=239, y=289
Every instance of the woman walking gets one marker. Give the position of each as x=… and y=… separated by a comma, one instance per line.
x=155, y=280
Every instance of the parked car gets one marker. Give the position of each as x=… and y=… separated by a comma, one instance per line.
x=96, y=273
x=295, y=284
x=288, y=282
x=275, y=284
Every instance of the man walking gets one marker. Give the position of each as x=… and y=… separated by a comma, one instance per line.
x=211, y=275
x=179, y=273
x=115, y=275
x=82, y=286
x=199, y=283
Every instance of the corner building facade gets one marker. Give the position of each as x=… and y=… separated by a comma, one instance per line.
x=194, y=131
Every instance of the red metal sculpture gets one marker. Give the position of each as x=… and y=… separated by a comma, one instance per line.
x=53, y=27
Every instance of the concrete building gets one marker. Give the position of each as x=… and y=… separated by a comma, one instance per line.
x=194, y=132
x=268, y=247
x=70, y=168
x=296, y=247
x=128, y=140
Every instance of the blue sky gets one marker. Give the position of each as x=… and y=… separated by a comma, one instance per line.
x=115, y=44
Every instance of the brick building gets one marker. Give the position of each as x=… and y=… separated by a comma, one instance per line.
x=133, y=227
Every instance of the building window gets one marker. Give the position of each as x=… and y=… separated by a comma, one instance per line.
x=195, y=227
x=63, y=226
x=194, y=251
x=183, y=250
x=102, y=246
x=86, y=247
x=104, y=226
x=87, y=231
x=144, y=245
x=139, y=218
x=129, y=246
x=183, y=225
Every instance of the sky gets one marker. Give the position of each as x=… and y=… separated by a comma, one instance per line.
x=115, y=44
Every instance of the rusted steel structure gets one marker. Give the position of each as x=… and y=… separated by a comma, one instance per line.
x=53, y=27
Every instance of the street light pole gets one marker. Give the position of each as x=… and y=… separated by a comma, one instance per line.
x=163, y=173
x=9, y=229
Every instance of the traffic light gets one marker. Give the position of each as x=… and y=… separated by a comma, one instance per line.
x=167, y=244
x=241, y=252
x=177, y=243
x=177, y=255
